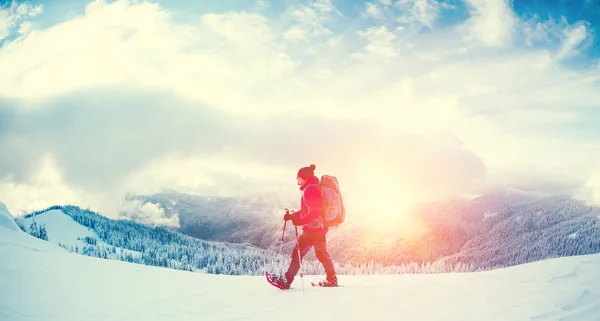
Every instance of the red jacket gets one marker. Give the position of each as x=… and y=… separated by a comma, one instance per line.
x=311, y=209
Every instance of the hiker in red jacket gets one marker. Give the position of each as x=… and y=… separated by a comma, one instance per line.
x=313, y=230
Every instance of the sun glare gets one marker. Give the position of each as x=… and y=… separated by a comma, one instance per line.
x=387, y=205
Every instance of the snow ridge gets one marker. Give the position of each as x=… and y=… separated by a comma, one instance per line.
x=6, y=219
x=89, y=233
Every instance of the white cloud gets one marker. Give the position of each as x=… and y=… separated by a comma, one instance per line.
x=420, y=12
x=149, y=52
x=147, y=213
x=25, y=28
x=43, y=188
x=537, y=31
x=14, y=14
x=242, y=28
x=568, y=39
x=409, y=14
x=236, y=102
x=373, y=11
x=295, y=33
x=323, y=6
x=25, y=9
x=381, y=41
x=203, y=175
x=310, y=21
x=46, y=187
x=574, y=36
x=491, y=23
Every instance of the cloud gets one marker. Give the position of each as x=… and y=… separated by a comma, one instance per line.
x=126, y=98
x=309, y=25
x=147, y=213
x=381, y=41
x=16, y=15
x=126, y=131
x=125, y=149
x=41, y=187
x=492, y=22
x=407, y=15
x=148, y=51
x=373, y=10
x=573, y=37
x=422, y=12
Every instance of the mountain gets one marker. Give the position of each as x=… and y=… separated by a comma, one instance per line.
x=42, y=281
x=253, y=220
x=89, y=233
x=551, y=227
x=485, y=232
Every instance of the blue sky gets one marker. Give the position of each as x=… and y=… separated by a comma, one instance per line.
x=430, y=99
x=185, y=11
x=588, y=10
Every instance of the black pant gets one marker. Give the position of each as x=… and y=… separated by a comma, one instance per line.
x=305, y=242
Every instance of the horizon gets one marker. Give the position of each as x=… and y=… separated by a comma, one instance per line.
x=424, y=101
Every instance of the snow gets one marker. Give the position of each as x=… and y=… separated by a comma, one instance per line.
x=489, y=214
x=61, y=228
x=6, y=219
x=40, y=281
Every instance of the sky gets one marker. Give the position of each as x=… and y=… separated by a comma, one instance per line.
x=404, y=101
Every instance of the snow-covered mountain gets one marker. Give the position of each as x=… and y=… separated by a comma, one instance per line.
x=89, y=233
x=255, y=220
x=485, y=232
x=59, y=228
x=42, y=281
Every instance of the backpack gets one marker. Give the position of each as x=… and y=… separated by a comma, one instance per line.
x=334, y=212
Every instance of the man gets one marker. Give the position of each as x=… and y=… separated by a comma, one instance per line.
x=314, y=231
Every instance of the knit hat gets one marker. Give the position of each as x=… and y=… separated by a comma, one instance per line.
x=306, y=172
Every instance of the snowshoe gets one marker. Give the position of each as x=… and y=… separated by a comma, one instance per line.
x=277, y=281
x=328, y=283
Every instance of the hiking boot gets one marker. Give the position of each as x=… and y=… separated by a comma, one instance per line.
x=279, y=281
x=329, y=282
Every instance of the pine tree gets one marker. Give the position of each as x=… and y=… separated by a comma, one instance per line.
x=42, y=233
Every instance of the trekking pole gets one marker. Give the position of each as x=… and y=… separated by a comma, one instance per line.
x=281, y=243
x=299, y=258
x=282, y=236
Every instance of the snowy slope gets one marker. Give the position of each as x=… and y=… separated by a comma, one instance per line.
x=6, y=219
x=40, y=281
x=61, y=228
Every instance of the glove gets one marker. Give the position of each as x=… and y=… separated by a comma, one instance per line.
x=292, y=217
x=296, y=220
